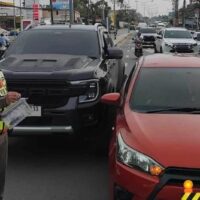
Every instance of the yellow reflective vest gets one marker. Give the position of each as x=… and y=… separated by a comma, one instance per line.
x=3, y=92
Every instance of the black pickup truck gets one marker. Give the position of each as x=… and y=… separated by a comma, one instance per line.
x=63, y=71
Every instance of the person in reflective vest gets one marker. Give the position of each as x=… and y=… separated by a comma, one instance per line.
x=6, y=98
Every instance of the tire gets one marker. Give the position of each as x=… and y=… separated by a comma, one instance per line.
x=161, y=50
x=102, y=132
x=121, y=75
x=155, y=50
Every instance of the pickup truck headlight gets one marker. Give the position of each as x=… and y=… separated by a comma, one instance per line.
x=194, y=45
x=135, y=159
x=92, y=92
x=168, y=45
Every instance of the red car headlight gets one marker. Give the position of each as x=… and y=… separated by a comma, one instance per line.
x=135, y=159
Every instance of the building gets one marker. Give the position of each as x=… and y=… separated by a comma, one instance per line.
x=61, y=15
x=9, y=15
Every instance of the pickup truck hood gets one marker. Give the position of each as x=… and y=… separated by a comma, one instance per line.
x=180, y=41
x=50, y=65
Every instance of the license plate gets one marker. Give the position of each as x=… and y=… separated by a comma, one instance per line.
x=37, y=111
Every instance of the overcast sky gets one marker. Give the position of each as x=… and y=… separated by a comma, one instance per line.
x=153, y=7
x=145, y=7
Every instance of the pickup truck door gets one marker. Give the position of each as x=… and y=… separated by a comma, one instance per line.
x=112, y=64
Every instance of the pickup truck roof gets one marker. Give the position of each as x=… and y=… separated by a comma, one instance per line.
x=73, y=26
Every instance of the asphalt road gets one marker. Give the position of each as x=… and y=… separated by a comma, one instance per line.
x=58, y=167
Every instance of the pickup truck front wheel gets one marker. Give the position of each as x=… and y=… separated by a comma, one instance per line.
x=121, y=75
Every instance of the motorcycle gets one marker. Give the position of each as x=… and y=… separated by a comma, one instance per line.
x=2, y=50
x=138, y=48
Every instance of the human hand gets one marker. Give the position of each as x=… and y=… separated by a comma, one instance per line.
x=12, y=97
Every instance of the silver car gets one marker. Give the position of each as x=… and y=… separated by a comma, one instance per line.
x=179, y=40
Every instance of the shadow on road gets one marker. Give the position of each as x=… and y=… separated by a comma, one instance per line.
x=56, y=168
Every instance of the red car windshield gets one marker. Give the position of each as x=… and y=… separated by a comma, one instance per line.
x=163, y=88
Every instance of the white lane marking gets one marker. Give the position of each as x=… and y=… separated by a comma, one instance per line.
x=127, y=56
x=128, y=50
x=126, y=64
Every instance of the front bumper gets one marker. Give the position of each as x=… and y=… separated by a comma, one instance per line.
x=148, y=43
x=141, y=186
x=183, y=49
x=42, y=129
x=64, y=120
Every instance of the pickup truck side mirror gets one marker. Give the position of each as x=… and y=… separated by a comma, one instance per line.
x=159, y=37
x=114, y=53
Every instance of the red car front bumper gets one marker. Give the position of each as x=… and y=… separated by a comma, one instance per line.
x=137, y=185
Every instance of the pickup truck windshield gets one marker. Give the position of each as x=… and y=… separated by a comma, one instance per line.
x=147, y=30
x=166, y=88
x=40, y=41
x=177, y=34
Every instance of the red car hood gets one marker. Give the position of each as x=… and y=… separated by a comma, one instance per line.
x=170, y=139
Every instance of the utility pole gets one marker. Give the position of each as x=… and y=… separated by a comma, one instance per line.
x=88, y=12
x=176, y=13
x=136, y=5
x=184, y=7
x=103, y=11
x=20, y=7
x=144, y=9
x=14, y=15
x=51, y=7
x=71, y=12
x=115, y=27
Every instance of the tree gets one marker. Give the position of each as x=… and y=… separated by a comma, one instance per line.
x=82, y=7
x=91, y=11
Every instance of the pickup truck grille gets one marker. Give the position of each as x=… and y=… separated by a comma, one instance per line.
x=48, y=94
x=183, y=48
x=149, y=38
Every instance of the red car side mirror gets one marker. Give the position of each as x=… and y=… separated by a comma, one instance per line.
x=111, y=98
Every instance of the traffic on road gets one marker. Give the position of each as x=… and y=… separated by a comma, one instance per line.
x=113, y=115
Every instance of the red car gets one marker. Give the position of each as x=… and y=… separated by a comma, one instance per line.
x=155, y=145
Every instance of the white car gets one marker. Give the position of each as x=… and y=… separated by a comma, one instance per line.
x=179, y=40
x=148, y=35
x=196, y=36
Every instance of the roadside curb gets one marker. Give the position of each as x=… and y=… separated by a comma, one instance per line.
x=122, y=39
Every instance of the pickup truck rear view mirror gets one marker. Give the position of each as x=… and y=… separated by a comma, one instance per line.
x=114, y=53
x=159, y=36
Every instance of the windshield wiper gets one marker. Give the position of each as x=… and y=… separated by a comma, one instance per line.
x=183, y=109
x=92, y=57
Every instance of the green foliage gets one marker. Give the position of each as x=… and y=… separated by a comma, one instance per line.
x=90, y=10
